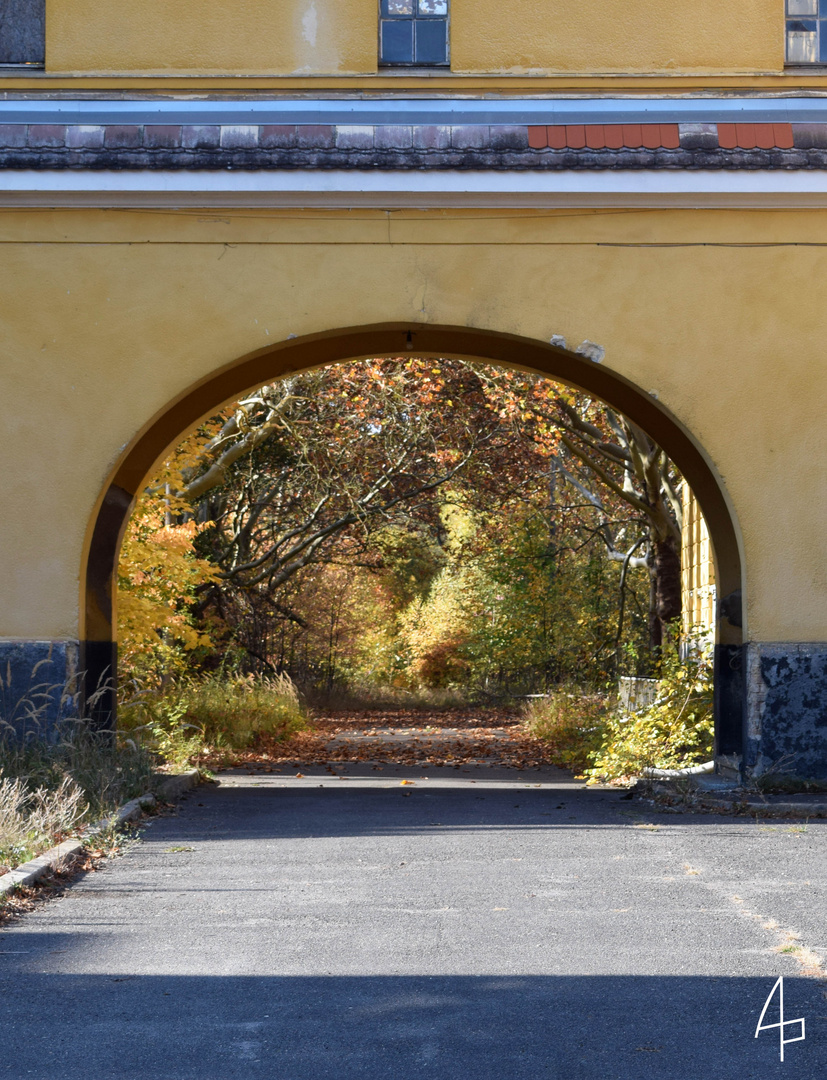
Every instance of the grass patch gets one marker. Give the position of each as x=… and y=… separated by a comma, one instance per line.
x=51, y=788
x=191, y=718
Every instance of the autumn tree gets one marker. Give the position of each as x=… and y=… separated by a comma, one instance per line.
x=296, y=492
x=308, y=470
x=624, y=479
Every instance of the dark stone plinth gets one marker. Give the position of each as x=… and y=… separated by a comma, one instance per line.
x=38, y=687
x=786, y=727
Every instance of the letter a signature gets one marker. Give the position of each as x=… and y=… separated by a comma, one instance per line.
x=782, y=1023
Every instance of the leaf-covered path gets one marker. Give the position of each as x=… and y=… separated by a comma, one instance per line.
x=459, y=738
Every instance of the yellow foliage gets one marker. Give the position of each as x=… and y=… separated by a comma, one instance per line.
x=159, y=571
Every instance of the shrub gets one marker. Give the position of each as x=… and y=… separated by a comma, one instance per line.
x=674, y=732
x=222, y=710
x=571, y=723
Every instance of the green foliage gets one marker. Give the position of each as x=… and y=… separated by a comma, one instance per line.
x=675, y=732
x=220, y=710
x=511, y=612
x=573, y=724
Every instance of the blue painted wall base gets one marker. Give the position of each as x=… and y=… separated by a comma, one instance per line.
x=786, y=713
x=37, y=686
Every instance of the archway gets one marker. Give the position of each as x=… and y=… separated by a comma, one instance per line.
x=98, y=659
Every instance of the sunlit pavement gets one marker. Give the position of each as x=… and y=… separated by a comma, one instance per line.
x=471, y=922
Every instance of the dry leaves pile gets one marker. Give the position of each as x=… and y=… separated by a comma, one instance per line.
x=450, y=737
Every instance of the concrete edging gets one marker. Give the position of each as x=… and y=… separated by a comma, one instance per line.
x=29, y=873
x=768, y=809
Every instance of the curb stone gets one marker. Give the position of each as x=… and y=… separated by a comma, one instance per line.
x=768, y=809
x=738, y=801
x=170, y=787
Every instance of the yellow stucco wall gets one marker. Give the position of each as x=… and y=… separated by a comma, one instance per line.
x=108, y=315
x=246, y=36
x=334, y=37
x=615, y=35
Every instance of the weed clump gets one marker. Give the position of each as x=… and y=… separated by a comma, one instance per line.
x=572, y=724
x=191, y=716
x=53, y=782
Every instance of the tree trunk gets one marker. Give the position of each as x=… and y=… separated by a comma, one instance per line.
x=665, y=607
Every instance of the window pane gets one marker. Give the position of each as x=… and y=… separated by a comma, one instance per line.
x=802, y=7
x=399, y=8
x=22, y=31
x=433, y=7
x=801, y=45
x=432, y=42
x=397, y=42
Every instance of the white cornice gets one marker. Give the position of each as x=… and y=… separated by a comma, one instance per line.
x=338, y=189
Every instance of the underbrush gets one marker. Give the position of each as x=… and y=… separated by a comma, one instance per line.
x=572, y=724
x=592, y=734
x=675, y=732
x=51, y=787
x=191, y=717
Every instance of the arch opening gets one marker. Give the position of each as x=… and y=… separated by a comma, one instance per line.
x=98, y=655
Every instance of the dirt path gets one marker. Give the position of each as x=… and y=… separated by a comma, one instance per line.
x=448, y=737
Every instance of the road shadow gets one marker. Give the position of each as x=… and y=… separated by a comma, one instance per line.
x=167, y=1027
x=270, y=808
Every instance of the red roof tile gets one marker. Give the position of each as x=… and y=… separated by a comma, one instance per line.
x=537, y=138
x=745, y=135
x=650, y=135
x=575, y=136
x=764, y=136
x=783, y=134
x=557, y=137
x=727, y=137
x=670, y=136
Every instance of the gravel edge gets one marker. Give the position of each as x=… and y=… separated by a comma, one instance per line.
x=30, y=872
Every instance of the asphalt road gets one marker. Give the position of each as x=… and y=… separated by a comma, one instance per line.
x=470, y=925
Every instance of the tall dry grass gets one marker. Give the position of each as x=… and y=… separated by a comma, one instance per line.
x=58, y=774
x=191, y=716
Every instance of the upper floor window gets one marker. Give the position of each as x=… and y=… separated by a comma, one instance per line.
x=22, y=33
x=807, y=31
x=413, y=32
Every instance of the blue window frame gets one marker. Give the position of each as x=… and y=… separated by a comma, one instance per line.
x=413, y=33
x=806, y=32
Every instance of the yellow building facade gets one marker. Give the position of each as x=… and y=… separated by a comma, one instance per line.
x=699, y=608
x=196, y=198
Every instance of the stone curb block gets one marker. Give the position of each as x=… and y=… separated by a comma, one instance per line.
x=799, y=809
x=172, y=787
x=28, y=873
